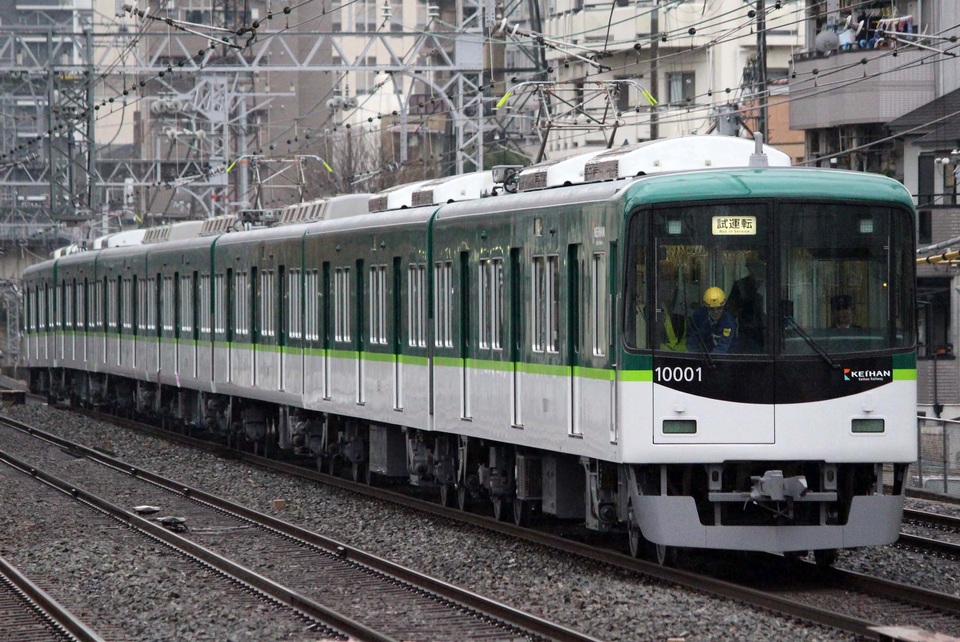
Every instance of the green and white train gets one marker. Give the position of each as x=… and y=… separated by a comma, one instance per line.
x=539, y=349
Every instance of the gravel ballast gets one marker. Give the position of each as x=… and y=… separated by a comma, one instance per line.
x=603, y=602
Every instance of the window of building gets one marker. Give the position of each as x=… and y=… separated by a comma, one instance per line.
x=681, y=88
x=933, y=315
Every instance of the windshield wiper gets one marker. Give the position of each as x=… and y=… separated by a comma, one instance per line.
x=812, y=342
x=703, y=347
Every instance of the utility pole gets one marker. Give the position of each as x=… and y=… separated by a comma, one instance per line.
x=654, y=55
x=762, y=67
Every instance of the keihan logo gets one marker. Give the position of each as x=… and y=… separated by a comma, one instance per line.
x=867, y=375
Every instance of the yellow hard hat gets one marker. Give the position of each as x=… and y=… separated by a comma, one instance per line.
x=714, y=297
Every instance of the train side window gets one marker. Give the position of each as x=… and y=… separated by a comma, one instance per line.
x=168, y=302
x=204, y=302
x=378, y=304
x=538, y=322
x=142, y=304
x=82, y=305
x=443, y=329
x=186, y=304
x=112, y=302
x=293, y=304
x=220, y=305
x=599, y=310
x=268, y=303
x=151, y=306
x=58, y=306
x=311, y=298
x=416, y=305
x=241, y=303
x=126, y=311
x=341, y=304
x=68, y=306
x=635, y=298
x=491, y=303
x=553, y=318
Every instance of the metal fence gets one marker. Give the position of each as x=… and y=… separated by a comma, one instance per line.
x=938, y=468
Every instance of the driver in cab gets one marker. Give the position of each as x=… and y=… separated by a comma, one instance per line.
x=712, y=328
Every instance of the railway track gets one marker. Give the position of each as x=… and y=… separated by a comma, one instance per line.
x=801, y=597
x=408, y=603
x=29, y=614
x=948, y=525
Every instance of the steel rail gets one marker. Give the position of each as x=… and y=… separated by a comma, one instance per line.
x=483, y=605
x=236, y=572
x=59, y=615
x=936, y=520
x=708, y=585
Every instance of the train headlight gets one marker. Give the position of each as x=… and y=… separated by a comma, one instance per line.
x=679, y=426
x=868, y=425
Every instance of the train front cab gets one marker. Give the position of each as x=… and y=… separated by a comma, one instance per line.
x=769, y=429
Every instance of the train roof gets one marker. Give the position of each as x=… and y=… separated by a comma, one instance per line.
x=325, y=209
x=378, y=220
x=809, y=183
x=279, y=232
x=677, y=154
x=699, y=185
x=651, y=157
x=437, y=191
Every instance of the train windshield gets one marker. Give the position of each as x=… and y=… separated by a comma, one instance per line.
x=847, y=278
x=756, y=278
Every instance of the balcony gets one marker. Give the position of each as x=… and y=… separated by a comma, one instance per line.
x=858, y=86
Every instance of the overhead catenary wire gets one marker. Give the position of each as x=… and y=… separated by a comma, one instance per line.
x=279, y=137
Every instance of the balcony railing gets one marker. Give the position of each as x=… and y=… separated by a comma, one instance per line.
x=859, y=86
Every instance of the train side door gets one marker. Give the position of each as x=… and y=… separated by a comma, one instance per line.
x=574, y=301
x=465, y=331
x=515, y=340
x=396, y=336
x=358, y=332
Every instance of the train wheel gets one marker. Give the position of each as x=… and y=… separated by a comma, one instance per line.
x=463, y=497
x=521, y=512
x=448, y=495
x=331, y=465
x=501, y=508
x=634, y=536
x=826, y=557
x=358, y=472
x=666, y=555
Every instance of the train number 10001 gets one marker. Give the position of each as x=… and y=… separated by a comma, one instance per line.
x=678, y=374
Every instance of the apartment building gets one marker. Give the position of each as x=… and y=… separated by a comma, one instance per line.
x=874, y=90
x=686, y=66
